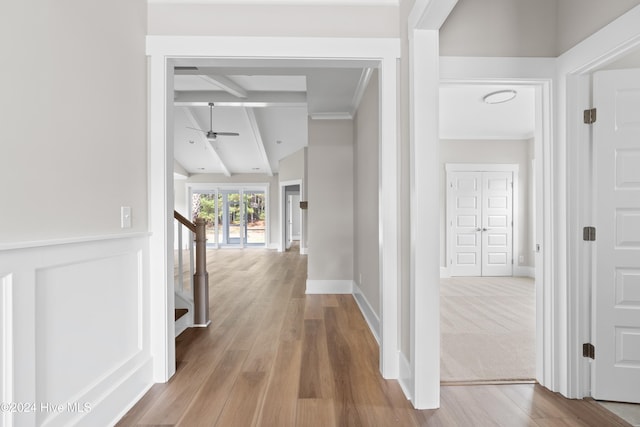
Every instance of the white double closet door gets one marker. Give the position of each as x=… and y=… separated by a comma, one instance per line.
x=480, y=223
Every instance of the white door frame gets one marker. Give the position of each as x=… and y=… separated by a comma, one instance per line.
x=426, y=68
x=283, y=215
x=492, y=167
x=319, y=51
x=573, y=137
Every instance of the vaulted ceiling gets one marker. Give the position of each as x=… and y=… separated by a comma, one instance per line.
x=267, y=104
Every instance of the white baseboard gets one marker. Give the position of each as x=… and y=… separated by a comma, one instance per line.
x=524, y=271
x=106, y=400
x=444, y=273
x=405, y=378
x=367, y=311
x=329, y=286
x=304, y=251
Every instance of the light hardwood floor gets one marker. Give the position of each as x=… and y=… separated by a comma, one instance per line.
x=487, y=329
x=274, y=356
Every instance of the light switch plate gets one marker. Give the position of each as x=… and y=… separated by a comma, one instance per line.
x=125, y=217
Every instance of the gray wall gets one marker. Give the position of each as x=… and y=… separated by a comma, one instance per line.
x=73, y=137
x=273, y=20
x=365, y=165
x=484, y=151
x=542, y=28
x=578, y=19
x=330, y=196
x=500, y=28
x=292, y=167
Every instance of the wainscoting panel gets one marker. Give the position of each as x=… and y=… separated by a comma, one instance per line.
x=74, y=331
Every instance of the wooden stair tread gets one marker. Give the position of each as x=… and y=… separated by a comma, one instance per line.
x=179, y=312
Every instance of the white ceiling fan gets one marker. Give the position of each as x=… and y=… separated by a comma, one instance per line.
x=211, y=135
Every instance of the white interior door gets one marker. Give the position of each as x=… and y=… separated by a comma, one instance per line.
x=480, y=219
x=465, y=223
x=616, y=299
x=497, y=224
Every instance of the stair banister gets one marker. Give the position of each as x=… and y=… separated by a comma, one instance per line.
x=200, y=276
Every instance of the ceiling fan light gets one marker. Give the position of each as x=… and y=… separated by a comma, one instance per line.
x=499, y=97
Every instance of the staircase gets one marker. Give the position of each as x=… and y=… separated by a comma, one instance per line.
x=191, y=279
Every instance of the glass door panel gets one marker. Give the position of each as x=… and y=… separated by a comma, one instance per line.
x=204, y=206
x=232, y=232
x=255, y=213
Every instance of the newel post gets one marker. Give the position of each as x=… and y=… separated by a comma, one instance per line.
x=201, y=277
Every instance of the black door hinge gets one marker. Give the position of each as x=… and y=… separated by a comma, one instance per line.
x=589, y=234
x=590, y=116
x=588, y=350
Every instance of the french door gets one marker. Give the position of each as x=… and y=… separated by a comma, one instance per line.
x=480, y=223
x=236, y=217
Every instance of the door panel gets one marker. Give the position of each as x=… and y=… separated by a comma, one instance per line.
x=465, y=192
x=497, y=213
x=616, y=292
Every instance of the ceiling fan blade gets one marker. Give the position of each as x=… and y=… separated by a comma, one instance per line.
x=227, y=133
x=188, y=127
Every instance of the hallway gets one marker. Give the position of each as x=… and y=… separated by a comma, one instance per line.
x=274, y=356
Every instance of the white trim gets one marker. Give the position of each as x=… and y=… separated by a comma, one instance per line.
x=318, y=51
x=71, y=240
x=367, y=311
x=328, y=287
x=426, y=71
x=444, y=273
x=331, y=116
x=6, y=344
x=405, y=377
x=360, y=89
x=424, y=293
x=574, y=69
x=482, y=167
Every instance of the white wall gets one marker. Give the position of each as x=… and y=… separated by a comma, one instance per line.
x=485, y=151
x=273, y=20
x=330, y=197
x=74, y=286
x=73, y=111
x=366, y=160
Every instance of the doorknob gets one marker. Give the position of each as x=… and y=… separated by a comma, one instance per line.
x=478, y=229
x=484, y=229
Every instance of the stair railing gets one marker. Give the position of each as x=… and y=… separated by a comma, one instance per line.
x=200, y=282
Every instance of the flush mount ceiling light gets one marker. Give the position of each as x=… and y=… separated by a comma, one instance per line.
x=499, y=97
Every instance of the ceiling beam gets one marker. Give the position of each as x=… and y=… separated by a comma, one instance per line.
x=225, y=84
x=259, y=142
x=193, y=121
x=201, y=98
x=360, y=89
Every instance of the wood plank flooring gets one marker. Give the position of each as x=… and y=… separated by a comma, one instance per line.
x=274, y=356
